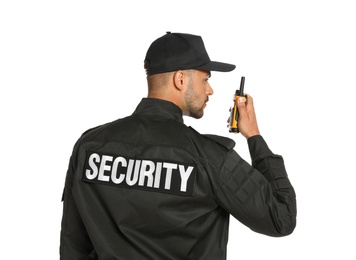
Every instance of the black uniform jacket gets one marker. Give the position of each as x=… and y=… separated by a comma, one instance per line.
x=149, y=187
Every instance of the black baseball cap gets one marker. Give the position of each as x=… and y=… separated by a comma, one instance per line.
x=180, y=51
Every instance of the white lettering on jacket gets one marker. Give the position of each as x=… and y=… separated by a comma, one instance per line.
x=143, y=174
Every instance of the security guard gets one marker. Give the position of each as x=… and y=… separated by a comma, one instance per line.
x=149, y=187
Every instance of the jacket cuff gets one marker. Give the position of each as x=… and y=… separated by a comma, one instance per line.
x=258, y=148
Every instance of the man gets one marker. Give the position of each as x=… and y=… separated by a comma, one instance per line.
x=149, y=187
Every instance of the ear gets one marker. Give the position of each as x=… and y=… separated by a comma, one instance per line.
x=179, y=79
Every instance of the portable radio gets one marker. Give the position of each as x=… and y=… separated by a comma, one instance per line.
x=234, y=116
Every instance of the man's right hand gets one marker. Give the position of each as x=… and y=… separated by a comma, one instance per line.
x=247, y=121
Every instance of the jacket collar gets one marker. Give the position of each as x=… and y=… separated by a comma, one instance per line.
x=159, y=107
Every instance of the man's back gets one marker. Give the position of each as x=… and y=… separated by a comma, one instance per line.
x=142, y=192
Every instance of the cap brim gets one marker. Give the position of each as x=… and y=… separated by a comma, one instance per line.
x=217, y=66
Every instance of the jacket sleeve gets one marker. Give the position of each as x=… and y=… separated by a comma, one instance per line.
x=74, y=242
x=260, y=196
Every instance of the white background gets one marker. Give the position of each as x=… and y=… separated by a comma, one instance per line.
x=66, y=66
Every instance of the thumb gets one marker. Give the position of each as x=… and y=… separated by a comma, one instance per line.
x=241, y=105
